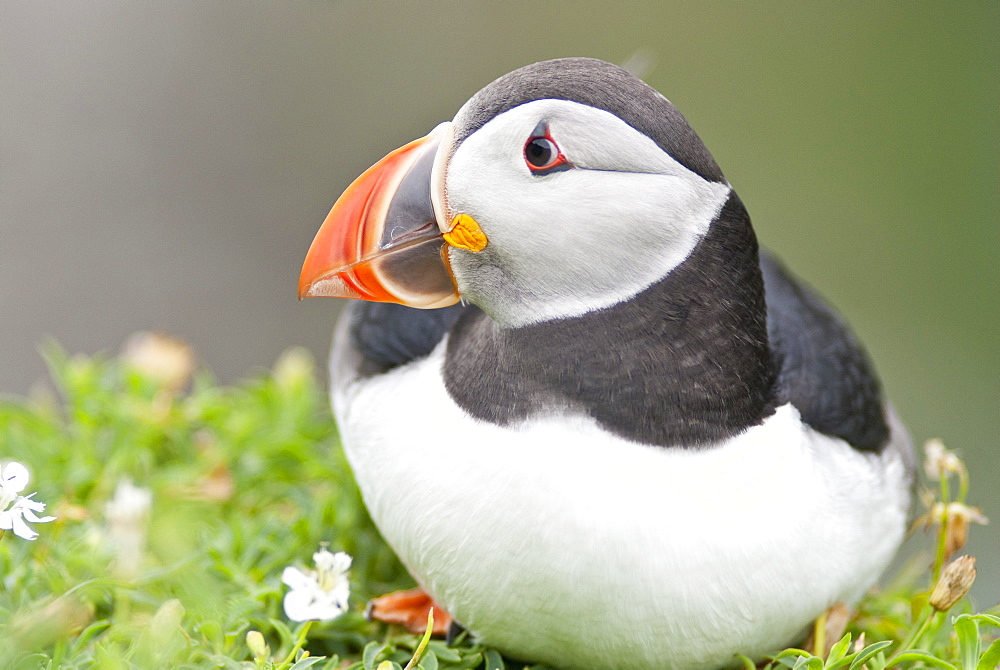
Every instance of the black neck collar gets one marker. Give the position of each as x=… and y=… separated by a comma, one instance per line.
x=684, y=363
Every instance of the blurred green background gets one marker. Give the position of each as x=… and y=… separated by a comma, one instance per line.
x=165, y=166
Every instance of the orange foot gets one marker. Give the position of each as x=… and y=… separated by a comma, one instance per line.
x=408, y=609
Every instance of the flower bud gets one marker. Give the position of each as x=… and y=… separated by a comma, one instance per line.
x=257, y=646
x=955, y=581
x=163, y=359
x=959, y=517
x=293, y=369
x=166, y=623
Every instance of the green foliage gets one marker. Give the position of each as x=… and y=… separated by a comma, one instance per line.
x=969, y=632
x=245, y=481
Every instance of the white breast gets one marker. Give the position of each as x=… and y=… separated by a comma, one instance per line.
x=557, y=542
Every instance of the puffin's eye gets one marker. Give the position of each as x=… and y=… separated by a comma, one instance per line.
x=542, y=154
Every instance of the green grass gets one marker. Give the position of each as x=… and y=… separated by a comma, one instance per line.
x=246, y=480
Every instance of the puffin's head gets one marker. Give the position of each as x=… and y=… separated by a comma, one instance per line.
x=560, y=188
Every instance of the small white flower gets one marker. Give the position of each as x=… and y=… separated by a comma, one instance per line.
x=939, y=461
x=15, y=508
x=319, y=594
x=127, y=515
x=13, y=479
x=130, y=504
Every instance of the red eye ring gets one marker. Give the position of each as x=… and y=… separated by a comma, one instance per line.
x=542, y=154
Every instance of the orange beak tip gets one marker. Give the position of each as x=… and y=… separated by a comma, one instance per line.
x=357, y=254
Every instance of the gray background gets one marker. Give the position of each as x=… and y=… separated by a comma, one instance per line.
x=165, y=166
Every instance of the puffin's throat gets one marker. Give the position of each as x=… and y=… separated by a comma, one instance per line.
x=684, y=363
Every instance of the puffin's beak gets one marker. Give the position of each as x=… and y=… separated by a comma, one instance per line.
x=382, y=240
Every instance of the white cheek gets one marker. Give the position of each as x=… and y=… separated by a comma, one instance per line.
x=571, y=242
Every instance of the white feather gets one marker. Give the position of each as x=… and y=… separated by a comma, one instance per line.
x=571, y=242
x=558, y=542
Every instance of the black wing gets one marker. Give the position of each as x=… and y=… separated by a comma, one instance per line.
x=823, y=369
x=388, y=335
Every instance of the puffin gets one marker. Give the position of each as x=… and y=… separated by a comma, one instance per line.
x=598, y=425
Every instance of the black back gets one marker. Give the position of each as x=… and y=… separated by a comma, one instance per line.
x=823, y=370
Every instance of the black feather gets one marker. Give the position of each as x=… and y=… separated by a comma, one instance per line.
x=683, y=363
x=602, y=86
x=823, y=370
x=390, y=335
